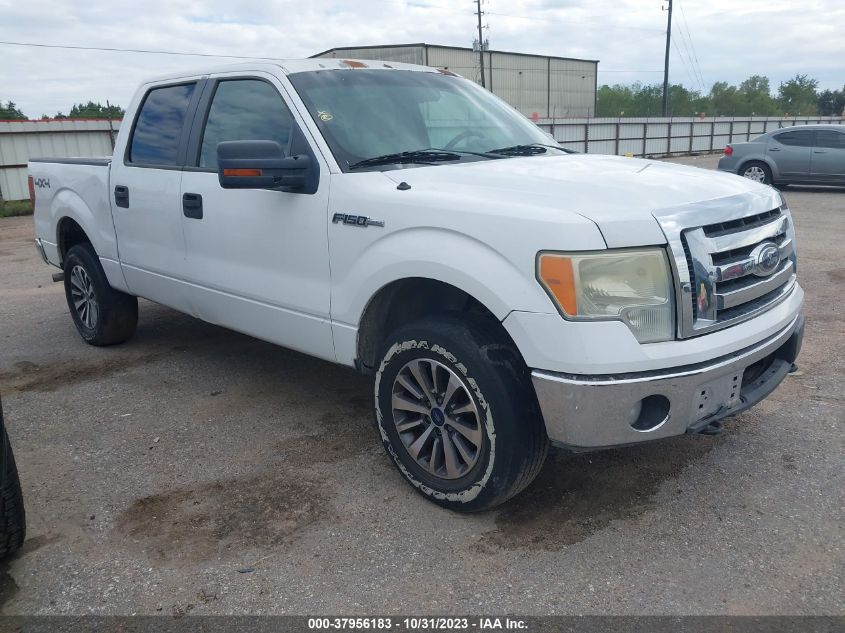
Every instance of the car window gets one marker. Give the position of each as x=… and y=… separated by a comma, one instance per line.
x=830, y=138
x=245, y=110
x=155, y=139
x=367, y=113
x=800, y=138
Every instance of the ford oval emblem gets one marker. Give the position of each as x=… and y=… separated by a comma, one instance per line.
x=765, y=259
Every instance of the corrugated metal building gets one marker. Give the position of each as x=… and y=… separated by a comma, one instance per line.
x=551, y=87
x=22, y=140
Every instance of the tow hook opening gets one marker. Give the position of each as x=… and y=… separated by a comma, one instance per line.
x=652, y=414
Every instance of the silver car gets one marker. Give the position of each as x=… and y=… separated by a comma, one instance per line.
x=804, y=154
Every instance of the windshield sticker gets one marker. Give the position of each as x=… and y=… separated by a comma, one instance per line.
x=324, y=115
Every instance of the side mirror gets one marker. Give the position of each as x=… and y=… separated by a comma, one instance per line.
x=260, y=165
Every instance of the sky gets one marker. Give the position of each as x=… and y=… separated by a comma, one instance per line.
x=714, y=40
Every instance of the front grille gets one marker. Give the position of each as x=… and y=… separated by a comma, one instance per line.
x=727, y=283
x=740, y=224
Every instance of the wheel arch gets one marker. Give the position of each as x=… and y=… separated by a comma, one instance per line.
x=408, y=299
x=70, y=233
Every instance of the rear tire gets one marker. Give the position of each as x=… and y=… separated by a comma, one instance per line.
x=757, y=171
x=12, y=514
x=102, y=315
x=486, y=440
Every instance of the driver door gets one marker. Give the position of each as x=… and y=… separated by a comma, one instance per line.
x=258, y=259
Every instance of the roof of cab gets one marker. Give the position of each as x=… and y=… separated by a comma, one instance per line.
x=291, y=66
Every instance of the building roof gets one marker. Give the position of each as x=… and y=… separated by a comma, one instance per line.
x=458, y=48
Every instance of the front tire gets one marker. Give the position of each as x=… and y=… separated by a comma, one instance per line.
x=757, y=171
x=102, y=315
x=457, y=412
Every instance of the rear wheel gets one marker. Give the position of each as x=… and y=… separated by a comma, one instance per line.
x=102, y=315
x=457, y=413
x=757, y=171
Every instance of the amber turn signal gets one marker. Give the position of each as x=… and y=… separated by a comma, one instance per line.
x=242, y=173
x=555, y=272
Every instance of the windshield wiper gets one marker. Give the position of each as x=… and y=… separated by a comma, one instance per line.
x=416, y=156
x=528, y=149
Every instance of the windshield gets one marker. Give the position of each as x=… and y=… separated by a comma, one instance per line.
x=365, y=114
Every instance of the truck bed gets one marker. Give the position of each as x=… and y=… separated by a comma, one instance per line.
x=73, y=189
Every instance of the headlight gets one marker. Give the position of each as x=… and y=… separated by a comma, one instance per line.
x=633, y=286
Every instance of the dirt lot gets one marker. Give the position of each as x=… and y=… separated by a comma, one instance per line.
x=194, y=470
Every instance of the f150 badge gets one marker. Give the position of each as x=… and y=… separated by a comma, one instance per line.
x=355, y=220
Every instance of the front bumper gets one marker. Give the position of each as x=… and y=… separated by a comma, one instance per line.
x=591, y=412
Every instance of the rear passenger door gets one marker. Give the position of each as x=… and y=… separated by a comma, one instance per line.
x=791, y=151
x=258, y=259
x=145, y=191
x=828, y=160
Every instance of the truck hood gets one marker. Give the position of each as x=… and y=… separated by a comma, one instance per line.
x=621, y=195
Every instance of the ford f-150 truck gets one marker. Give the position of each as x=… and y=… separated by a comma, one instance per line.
x=504, y=293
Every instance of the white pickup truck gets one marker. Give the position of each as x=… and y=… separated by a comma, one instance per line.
x=504, y=293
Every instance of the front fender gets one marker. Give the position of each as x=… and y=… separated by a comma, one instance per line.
x=432, y=253
x=442, y=255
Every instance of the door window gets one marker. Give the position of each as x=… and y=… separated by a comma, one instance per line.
x=830, y=138
x=799, y=138
x=155, y=139
x=245, y=110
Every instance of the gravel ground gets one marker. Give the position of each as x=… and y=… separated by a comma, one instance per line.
x=195, y=470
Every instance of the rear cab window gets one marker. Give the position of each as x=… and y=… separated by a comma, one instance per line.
x=160, y=126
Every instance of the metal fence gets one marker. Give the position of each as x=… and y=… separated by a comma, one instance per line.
x=22, y=140
x=662, y=136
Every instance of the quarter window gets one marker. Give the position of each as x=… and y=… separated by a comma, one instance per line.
x=800, y=138
x=245, y=110
x=830, y=138
x=155, y=139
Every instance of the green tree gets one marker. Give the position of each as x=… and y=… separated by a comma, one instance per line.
x=727, y=100
x=10, y=112
x=758, y=96
x=798, y=96
x=831, y=102
x=93, y=110
x=613, y=101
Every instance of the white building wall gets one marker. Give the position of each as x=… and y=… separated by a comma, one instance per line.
x=547, y=86
x=23, y=140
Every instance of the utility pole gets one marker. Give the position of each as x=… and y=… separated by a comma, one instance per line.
x=666, y=63
x=480, y=43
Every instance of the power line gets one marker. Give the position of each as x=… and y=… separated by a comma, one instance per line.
x=690, y=73
x=161, y=52
x=131, y=50
x=692, y=45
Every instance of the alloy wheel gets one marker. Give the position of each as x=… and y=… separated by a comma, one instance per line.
x=436, y=418
x=83, y=297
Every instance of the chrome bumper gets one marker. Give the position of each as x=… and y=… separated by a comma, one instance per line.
x=591, y=412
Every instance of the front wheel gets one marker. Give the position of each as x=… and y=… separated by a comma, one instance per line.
x=457, y=413
x=102, y=315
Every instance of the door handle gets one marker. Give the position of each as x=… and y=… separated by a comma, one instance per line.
x=192, y=205
x=819, y=151
x=121, y=196
x=774, y=149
